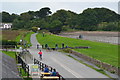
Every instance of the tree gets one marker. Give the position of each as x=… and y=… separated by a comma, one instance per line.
x=6, y=17
x=43, y=12
x=55, y=26
x=34, y=29
x=60, y=15
x=18, y=24
x=25, y=16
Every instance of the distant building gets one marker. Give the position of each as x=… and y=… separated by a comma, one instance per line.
x=5, y=25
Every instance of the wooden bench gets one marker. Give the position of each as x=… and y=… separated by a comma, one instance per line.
x=50, y=78
x=45, y=74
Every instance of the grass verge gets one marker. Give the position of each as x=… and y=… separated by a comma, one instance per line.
x=105, y=52
x=9, y=53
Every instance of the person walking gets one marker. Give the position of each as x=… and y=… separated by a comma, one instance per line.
x=40, y=54
x=37, y=46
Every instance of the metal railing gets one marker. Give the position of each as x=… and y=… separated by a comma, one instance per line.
x=43, y=65
x=24, y=66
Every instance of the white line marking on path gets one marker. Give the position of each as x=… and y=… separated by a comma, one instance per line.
x=68, y=69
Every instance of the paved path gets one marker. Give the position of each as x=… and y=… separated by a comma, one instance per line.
x=66, y=66
x=106, y=39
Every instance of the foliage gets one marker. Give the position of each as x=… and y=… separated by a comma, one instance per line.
x=18, y=24
x=34, y=29
x=55, y=26
x=88, y=20
x=104, y=52
x=8, y=42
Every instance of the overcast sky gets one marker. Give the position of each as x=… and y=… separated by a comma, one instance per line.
x=77, y=6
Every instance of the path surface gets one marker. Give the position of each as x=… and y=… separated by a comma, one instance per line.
x=107, y=37
x=66, y=66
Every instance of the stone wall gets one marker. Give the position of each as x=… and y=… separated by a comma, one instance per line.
x=102, y=65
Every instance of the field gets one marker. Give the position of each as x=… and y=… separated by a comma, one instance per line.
x=104, y=52
x=11, y=34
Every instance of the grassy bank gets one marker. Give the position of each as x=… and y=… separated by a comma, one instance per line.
x=104, y=52
x=11, y=34
x=9, y=53
x=25, y=36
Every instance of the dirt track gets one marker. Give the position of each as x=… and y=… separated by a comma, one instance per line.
x=102, y=36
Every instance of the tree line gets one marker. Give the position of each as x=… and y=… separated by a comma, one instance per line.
x=91, y=19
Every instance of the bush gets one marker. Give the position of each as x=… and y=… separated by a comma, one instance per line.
x=8, y=42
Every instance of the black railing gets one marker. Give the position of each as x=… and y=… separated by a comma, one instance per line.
x=7, y=46
x=42, y=66
x=24, y=66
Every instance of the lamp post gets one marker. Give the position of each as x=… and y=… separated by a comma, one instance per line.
x=21, y=41
x=38, y=29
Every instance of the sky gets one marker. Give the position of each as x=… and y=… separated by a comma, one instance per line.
x=77, y=6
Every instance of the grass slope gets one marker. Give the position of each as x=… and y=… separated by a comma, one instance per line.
x=27, y=37
x=104, y=52
x=9, y=53
x=11, y=34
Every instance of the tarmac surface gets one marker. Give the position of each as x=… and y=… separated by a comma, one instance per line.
x=107, y=37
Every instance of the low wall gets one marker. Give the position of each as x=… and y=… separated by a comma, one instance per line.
x=102, y=65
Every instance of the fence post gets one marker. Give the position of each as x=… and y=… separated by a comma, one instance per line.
x=28, y=72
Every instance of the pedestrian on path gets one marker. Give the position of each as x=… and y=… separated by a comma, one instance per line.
x=40, y=54
x=37, y=46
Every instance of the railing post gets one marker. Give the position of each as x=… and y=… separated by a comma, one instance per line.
x=40, y=65
x=28, y=72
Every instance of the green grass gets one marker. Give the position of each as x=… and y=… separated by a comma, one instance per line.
x=104, y=52
x=24, y=75
x=18, y=38
x=9, y=53
x=27, y=37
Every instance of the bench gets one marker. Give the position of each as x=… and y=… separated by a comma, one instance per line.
x=50, y=78
x=45, y=74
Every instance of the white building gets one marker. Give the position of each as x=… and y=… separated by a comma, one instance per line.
x=5, y=25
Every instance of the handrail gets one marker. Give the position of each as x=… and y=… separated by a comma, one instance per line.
x=23, y=64
x=42, y=66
